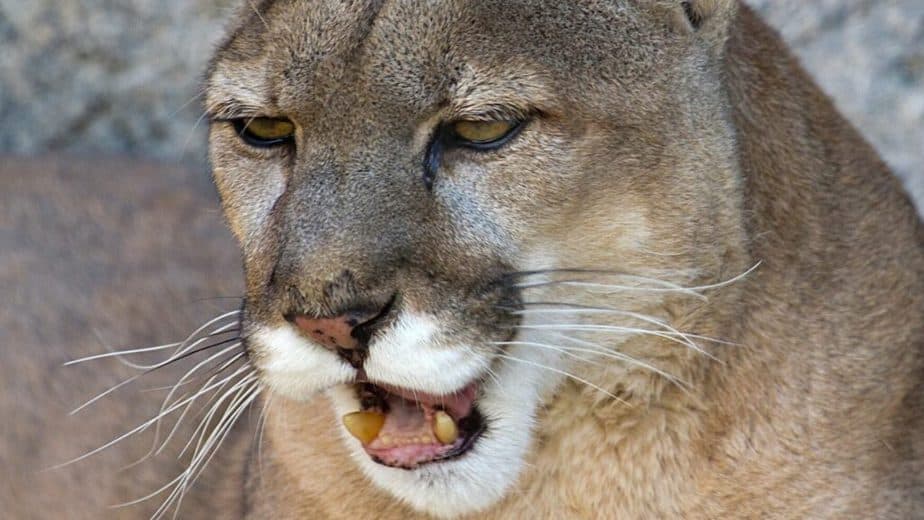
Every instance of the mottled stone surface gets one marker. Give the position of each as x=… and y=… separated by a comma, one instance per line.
x=869, y=56
x=105, y=75
x=121, y=76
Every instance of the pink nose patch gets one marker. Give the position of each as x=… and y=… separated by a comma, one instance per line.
x=333, y=333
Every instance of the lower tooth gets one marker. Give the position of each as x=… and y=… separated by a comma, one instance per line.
x=445, y=428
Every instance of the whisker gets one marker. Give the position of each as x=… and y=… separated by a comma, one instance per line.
x=148, y=370
x=243, y=395
x=565, y=351
x=729, y=281
x=565, y=270
x=203, y=424
x=566, y=307
x=182, y=480
x=682, y=384
x=217, y=392
x=582, y=309
x=211, y=450
x=665, y=286
x=143, y=426
x=673, y=337
x=190, y=135
x=240, y=405
x=668, y=287
x=187, y=103
x=187, y=347
x=105, y=393
x=213, y=298
x=120, y=353
x=257, y=12
x=258, y=438
x=179, y=355
x=602, y=351
x=191, y=371
x=162, y=347
x=566, y=374
x=200, y=377
x=154, y=449
x=494, y=377
x=201, y=458
x=149, y=496
x=198, y=351
x=211, y=322
x=572, y=308
x=231, y=395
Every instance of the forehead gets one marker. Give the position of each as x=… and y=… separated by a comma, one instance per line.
x=334, y=51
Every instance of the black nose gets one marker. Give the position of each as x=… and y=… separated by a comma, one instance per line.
x=348, y=333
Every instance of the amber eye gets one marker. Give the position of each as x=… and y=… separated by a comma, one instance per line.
x=264, y=131
x=483, y=134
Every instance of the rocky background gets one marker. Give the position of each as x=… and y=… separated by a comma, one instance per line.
x=121, y=76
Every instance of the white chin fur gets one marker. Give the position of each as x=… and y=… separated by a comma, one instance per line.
x=411, y=355
x=295, y=367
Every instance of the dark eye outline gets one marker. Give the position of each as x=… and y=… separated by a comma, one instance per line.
x=445, y=138
x=452, y=139
x=241, y=128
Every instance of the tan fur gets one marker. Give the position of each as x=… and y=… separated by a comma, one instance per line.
x=660, y=147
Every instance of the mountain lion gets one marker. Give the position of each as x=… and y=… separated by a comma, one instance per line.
x=591, y=259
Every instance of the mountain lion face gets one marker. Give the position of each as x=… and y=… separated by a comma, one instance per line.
x=448, y=209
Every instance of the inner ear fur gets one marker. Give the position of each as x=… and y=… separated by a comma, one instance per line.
x=702, y=15
x=698, y=12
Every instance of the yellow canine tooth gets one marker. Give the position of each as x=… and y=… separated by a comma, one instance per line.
x=365, y=426
x=445, y=428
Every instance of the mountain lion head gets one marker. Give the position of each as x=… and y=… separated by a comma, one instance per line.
x=455, y=215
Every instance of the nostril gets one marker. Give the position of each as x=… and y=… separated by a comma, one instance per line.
x=365, y=329
x=334, y=333
x=347, y=334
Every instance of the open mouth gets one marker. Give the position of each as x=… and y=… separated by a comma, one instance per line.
x=406, y=429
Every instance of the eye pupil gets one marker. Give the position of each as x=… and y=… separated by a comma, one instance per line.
x=265, y=131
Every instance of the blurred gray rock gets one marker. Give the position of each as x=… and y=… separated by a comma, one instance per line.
x=116, y=76
x=121, y=76
x=869, y=56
